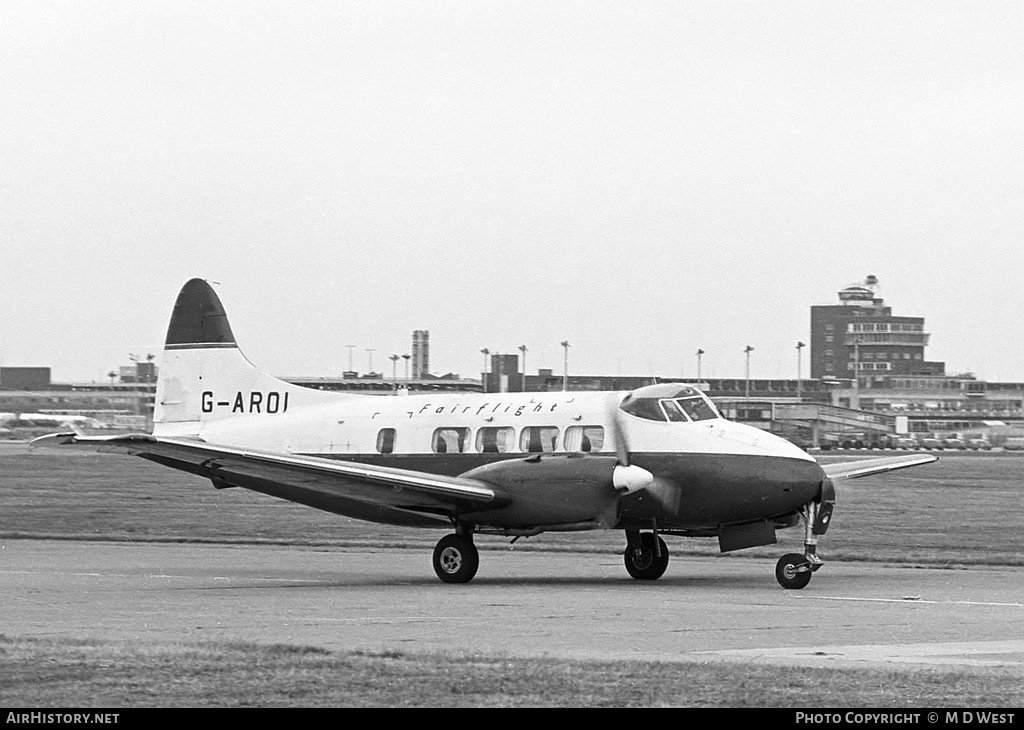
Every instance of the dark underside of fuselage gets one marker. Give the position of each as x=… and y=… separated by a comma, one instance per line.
x=693, y=492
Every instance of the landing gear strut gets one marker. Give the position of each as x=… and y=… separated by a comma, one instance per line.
x=646, y=555
x=794, y=570
x=456, y=558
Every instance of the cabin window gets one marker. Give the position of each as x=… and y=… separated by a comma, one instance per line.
x=539, y=438
x=386, y=441
x=584, y=438
x=450, y=440
x=495, y=440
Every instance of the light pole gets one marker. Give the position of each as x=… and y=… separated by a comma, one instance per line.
x=799, y=393
x=565, y=372
x=856, y=373
x=748, y=351
x=522, y=349
x=699, y=380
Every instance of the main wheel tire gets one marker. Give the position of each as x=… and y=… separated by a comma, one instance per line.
x=644, y=563
x=788, y=571
x=456, y=559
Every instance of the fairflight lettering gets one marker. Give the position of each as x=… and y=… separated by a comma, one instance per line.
x=500, y=406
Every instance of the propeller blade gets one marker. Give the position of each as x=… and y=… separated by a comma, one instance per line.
x=666, y=492
x=628, y=478
x=619, y=436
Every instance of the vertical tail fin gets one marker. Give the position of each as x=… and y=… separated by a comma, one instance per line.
x=204, y=377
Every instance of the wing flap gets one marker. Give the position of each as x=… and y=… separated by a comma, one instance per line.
x=867, y=467
x=323, y=483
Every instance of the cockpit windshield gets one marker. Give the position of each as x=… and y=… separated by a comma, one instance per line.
x=669, y=402
x=698, y=409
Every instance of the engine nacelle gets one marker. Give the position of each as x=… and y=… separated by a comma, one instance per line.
x=553, y=489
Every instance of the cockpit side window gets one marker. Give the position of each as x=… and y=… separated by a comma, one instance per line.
x=669, y=402
x=644, y=408
x=673, y=411
x=697, y=408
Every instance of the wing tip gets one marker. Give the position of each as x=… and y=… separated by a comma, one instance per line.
x=868, y=467
x=52, y=439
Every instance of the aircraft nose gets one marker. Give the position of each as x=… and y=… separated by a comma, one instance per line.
x=755, y=441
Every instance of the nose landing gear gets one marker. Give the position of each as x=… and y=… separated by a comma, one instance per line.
x=793, y=571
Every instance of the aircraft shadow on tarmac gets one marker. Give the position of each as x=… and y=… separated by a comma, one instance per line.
x=667, y=582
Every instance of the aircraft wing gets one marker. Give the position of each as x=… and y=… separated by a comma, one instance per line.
x=867, y=467
x=328, y=484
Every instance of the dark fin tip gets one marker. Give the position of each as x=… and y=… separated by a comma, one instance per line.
x=198, y=317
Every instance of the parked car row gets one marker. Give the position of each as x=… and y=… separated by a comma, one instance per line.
x=910, y=443
x=951, y=443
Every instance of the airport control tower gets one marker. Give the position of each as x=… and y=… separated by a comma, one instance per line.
x=861, y=334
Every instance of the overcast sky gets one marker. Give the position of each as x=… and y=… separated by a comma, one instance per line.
x=642, y=179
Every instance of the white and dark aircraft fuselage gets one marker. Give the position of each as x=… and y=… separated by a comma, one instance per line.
x=657, y=460
x=719, y=471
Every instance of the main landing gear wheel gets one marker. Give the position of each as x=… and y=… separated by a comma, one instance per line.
x=456, y=559
x=649, y=560
x=793, y=571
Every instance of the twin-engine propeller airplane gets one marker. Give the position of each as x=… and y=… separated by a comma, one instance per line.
x=658, y=460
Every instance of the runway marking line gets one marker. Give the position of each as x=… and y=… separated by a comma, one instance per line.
x=911, y=600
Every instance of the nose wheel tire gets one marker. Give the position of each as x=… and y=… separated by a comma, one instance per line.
x=649, y=560
x=793, y=571
x=456, y=559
